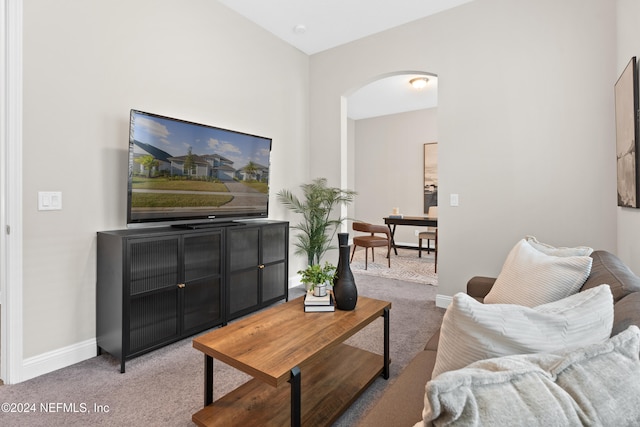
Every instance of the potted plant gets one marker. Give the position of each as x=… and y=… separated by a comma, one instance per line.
x=317, y=228
x=316, y=277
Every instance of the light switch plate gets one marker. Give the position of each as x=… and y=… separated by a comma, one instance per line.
x=453, y=200
x=49, y=200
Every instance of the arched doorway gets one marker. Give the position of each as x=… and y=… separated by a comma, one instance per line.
x=403, y=106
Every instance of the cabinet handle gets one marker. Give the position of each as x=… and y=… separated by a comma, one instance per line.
x=261, y=266
x=181, y=285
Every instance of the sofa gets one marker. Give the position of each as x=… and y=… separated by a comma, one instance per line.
x=403, y=401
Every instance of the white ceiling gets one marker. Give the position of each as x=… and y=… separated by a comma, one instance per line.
x=316, y=25
x=331, y=23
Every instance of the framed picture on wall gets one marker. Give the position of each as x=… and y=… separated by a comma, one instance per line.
x=626, y=104
x=430, y=175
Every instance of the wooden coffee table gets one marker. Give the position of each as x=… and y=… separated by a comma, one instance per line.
x=286, y=345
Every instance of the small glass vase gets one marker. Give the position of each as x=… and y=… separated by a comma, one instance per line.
x=344, y=284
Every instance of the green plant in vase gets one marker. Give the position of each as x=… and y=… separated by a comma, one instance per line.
x=317, y=228
x=316, y=277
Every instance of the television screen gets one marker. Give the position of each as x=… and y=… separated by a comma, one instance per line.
x=185, y=172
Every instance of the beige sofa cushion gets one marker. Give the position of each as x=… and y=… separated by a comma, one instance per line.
x=597, y=386
x=473, y=331
x=530, y=277
x=402, y=403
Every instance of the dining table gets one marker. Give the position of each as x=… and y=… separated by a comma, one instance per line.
x=416, y=221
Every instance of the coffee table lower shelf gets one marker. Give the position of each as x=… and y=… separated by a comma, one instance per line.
x=330, y=384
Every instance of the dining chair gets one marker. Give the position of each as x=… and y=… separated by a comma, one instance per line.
x=379, y=236
x=429, y=235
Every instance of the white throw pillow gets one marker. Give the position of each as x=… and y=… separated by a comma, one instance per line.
x=473, y=331
x=530, y=277
x=560, y=251
x=597, y=385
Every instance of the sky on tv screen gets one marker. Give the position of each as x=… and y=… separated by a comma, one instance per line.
x=175, y=137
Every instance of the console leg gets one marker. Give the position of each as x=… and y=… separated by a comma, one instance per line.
x=296, y=407
x=208, y=380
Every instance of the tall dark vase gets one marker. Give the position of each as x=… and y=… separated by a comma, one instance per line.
x=344, y=285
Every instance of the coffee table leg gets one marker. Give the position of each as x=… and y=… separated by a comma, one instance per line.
x=385, y=370
x=208, y=380
x=296, y=412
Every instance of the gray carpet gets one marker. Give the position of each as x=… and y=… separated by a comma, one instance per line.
x=165, y=387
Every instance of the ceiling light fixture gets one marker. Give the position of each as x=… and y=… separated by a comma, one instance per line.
x=300, y=29
x=419, y=82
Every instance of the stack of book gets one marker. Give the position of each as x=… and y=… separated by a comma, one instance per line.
x=313, y=303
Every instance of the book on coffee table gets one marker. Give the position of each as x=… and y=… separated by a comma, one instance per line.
x=320, y=308
x=314, y=305
x=311, y=299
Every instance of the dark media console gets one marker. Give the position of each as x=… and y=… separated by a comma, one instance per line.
x=158, y=285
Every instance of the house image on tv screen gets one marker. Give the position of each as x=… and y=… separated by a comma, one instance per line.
x=210, y=165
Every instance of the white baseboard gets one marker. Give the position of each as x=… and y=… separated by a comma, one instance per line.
x=294, y=281
x=443, y=301
x=57, y=359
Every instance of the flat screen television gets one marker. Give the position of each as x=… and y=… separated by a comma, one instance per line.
x=185, y=173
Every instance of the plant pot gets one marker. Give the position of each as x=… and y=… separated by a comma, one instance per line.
x=320, y=290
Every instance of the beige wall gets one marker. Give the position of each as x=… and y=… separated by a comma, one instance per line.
x=85, y=65
x=525, y=122
x=388, y=166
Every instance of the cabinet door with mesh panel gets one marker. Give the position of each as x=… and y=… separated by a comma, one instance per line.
x=202, y=281
x=275, y=246
x=153, y=290
x=244, y=269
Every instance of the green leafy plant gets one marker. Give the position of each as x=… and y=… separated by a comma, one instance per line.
x=316, y=274
x=317, y=228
